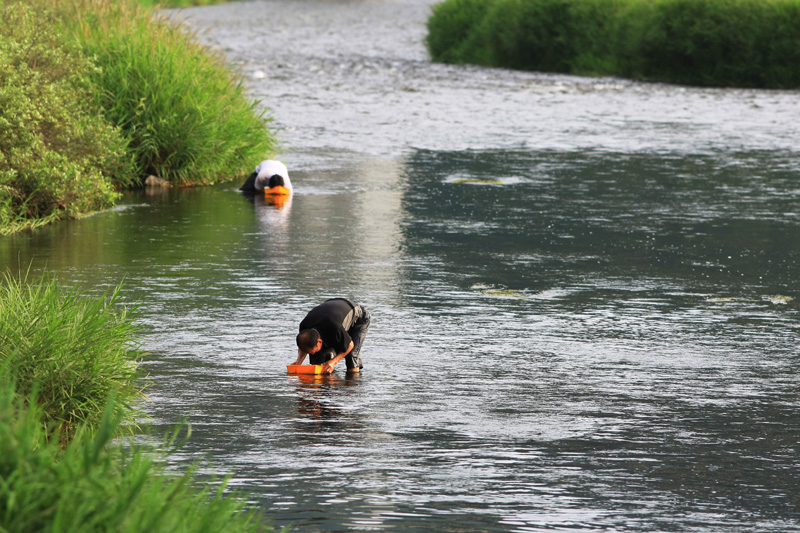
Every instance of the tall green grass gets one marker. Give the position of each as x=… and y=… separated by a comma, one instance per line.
x=741, y=43
x=68, y=370
x=95, y=484
x=182, y=108
x=96, y=95
x=76, y=351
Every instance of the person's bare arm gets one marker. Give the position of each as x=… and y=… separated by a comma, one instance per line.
x=301, y=356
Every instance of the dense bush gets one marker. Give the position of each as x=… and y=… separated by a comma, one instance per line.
x=529, y=32
x=546, y=35
x=59, y=157
x=745, y=43
x=182, y=108
x=95, y=95
x=749, y=43
x=77, y=351
x=454, y=31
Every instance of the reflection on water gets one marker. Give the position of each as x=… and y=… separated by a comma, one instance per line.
x=583, y=292
x=318, y=395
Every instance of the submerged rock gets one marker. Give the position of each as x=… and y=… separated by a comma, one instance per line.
x=478, y=181
x=779, y=299
x=155, y=181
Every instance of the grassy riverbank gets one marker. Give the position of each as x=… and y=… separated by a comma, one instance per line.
x=180, y=3
x=727, y=43
x=107, y=96
x=68, y=370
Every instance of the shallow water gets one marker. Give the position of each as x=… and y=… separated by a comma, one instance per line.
x=583, y=291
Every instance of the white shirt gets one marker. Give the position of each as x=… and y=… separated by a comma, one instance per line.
x=266, y=169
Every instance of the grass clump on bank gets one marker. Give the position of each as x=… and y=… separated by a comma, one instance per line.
x=738, y=43
x=68, y=365
x=109, y=94
x=94, y=484
x=182, y=109
x=75, y=351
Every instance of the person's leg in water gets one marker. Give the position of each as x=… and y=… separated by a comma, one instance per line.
x=357, y=332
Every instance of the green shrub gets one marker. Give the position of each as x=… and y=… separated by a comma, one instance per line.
x=95, y=485
x=719, y=42
x=531, y=35
x=598, y=36
x=95, y=95
x=745, y=43
x=183, y=109
x=77, y=350
x=59, y=157
x=453, y=31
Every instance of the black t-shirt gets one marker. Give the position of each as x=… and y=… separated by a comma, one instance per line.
x=249, y=186
x=328, y=318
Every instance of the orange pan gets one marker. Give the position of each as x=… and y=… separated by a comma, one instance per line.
x=304, y=369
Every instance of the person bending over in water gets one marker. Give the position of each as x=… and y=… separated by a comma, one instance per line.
x=269, y=177
x=332, y=331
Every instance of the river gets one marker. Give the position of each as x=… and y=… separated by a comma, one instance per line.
x=584, y=292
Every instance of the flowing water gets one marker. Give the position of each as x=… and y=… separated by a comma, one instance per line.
x=584, y=292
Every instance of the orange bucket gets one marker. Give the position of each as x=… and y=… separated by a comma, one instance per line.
x=276, y=191
x=304, y=369
x=277, y=196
